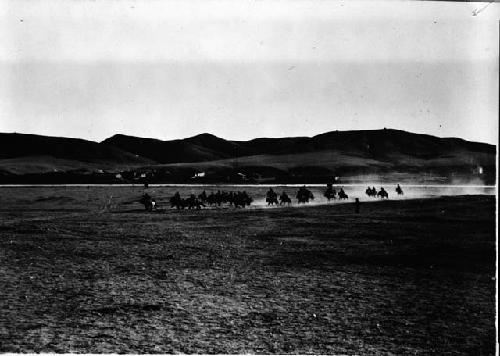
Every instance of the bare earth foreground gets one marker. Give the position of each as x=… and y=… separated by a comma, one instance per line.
x=402, y=277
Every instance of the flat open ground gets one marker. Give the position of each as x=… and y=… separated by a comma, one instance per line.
x=79, y=273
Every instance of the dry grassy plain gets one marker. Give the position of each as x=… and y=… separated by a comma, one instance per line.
x=83, y=272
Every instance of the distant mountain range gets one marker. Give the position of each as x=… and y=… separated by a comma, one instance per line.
x=384, y=153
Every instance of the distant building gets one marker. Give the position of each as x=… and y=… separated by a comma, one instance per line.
x=259, y=178
x=199, y=175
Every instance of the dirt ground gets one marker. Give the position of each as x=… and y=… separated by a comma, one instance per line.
x=80, y=272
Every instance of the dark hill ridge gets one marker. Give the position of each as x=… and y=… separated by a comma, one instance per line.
x=291, y=159
x=25, y=145
x=378, y=144
x=200, y=148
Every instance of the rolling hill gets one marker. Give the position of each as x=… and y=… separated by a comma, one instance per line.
x=373, y=144
x=383, y=153
x=24, y=153
x=22, y=145
x=204, y=147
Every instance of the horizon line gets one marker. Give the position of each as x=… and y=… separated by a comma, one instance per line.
x=255, y=138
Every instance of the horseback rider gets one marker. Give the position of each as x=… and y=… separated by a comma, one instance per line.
x=382, y=193
x=330, y=192
x=342, y=194
x=300, y=193
x=284, y=198
x=218, y=198
x=146, y=200
x=271, y=196
x=246, y=198
x=193, y=202
x=304, y=195
x=176, y=200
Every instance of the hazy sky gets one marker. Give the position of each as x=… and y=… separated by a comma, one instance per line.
x=245, y=69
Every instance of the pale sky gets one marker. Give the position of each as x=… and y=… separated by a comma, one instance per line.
x=246, y=69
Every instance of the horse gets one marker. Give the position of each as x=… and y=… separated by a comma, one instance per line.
x=272, y=199
x=218, y=198
x=285, y=199
x=304, y=195
x=203, y=197
x=399, y=190
x=343, y=195
x=383, y=194
x=177, y=202
x=148, y=202
x=330, y=194
x=246, y=198
x=241, y=199
x=371, y=192
x=211, y=199
x=193, y=202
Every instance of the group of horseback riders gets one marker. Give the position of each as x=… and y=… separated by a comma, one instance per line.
x=382, y=193
x=238, y=199
x=331, y=193
x=372, y=192
x=303, y=196
x=241, y=199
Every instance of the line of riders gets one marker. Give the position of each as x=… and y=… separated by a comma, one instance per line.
x=382, y=193
x=241, y=199
x=235, y=199
x=303, y=195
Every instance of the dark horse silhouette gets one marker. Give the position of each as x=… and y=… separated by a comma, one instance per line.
x=304, y=195
x=371, y=192
x=190, y=203
x=203, y=197
x=193, y=202
x=330, y=192
x=342, y=194
x=271, y=197
x=241, y=199
x=238, y=199
x=148, y=202
x=383, y=194
x=177, y=202
x=399, y=190
x=285, y=199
